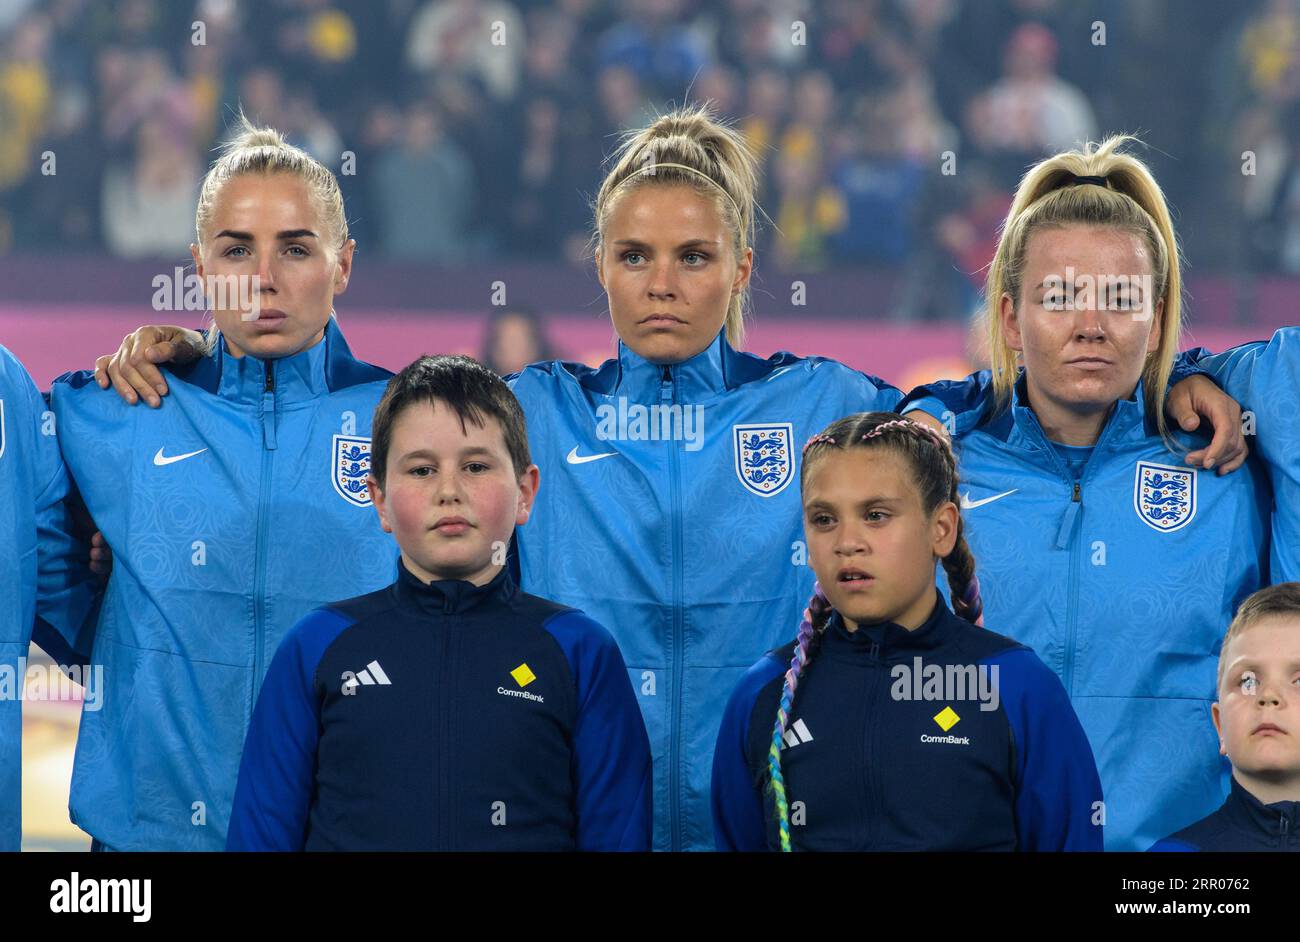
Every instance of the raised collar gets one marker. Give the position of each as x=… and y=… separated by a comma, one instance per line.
x=701, y=377
x=1019, y=427
x=451, y=596
x=1246, y=811
x=888, y=639
x=320, y=369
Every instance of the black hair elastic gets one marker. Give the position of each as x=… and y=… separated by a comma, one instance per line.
x=1073, y=180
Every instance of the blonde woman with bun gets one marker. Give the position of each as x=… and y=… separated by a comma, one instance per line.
x=231, y=513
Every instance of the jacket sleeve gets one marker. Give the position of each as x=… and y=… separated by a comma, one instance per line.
x=958, y=403
x=1264, y=377
x=611, y=751
x=1058, y=790
x=1188, y=364
x=1170, y=846
x=739, y=816
x=277, y=770
x=67, y=592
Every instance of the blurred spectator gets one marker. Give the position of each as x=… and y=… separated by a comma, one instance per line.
x=479, y=38
x=545, y=205
x=758, y=34
x=653, y=43
x=851, y=105
x=623, y=105
x=424, y=192
x=813, y=113
x=880, y=181
x=148, y=204
x=515, y=337
x=718, y=87
x=1030, y=111
x=767, y=104
x=808, y=213
x=25, y=96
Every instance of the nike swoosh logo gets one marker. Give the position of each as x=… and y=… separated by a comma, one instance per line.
x=161, y=460
x=574, y=458
x=968, y=504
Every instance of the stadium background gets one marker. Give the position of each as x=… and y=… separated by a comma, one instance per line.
x=468, y=166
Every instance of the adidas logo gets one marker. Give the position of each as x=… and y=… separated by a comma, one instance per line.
x=797, y=733
x=373, y=674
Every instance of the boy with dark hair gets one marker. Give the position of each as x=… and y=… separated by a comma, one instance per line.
x=449, y=711
x=1257, y=718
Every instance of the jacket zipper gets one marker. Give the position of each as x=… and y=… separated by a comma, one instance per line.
x=1065, y=539
x=1072, y=592
x=667, y=395
x=871, y=767
x=442, y=751
x=263, y=524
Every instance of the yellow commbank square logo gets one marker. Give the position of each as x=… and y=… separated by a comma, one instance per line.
x=947, y=718
x=523, y=675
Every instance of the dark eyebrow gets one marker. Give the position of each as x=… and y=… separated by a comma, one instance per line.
x=868, y=502
x=690, y=243
x=248, y=236
x=473, y=451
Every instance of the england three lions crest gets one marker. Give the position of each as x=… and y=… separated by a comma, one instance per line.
x=351, y=464
x=1163, y=496
x=764, y=456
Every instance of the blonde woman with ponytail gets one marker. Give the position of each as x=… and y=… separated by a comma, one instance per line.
x=231, y=513
x=1107, y=544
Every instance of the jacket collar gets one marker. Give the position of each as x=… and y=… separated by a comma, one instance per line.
x=889, y=639
x=451, y=596
x=709, y=372
x=1019, y=427
x=1246, y=811
x=320, y=369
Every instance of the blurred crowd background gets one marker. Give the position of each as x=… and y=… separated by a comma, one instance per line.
x=467, y=163
x=466, y=151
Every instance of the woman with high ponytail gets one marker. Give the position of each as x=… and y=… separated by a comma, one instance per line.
x=231, y=513
x=887, y=723
x=1106, y=543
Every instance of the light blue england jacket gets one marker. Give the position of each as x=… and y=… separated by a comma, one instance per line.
x=689, y=549
x=45, y=582
x=1123, y=579
x=1264, y=377
x=232, y=511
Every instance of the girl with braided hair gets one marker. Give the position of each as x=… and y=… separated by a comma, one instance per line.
x=891, y=723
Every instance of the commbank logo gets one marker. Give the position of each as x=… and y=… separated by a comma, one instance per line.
x=947, y=718
x=372, y=675
x=523, y=675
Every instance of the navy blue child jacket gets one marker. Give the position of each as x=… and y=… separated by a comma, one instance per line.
x=881, y=756
x=445, y=716
x=1242, y=823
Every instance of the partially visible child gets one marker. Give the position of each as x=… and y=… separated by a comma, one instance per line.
x=898, y=725
x=1257, y=717
x=449, y=711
